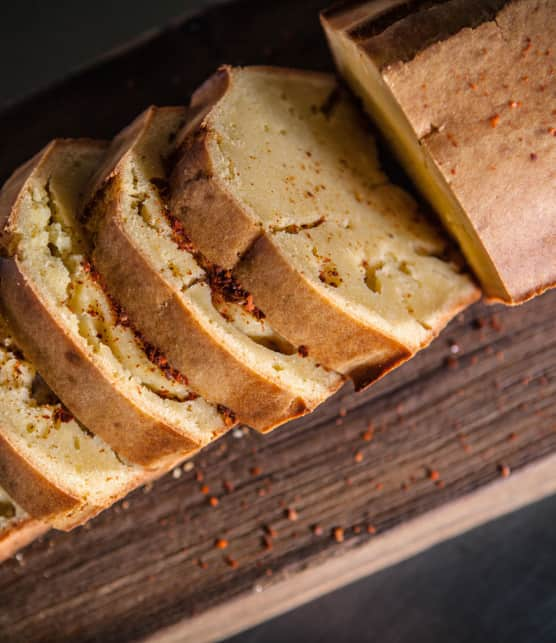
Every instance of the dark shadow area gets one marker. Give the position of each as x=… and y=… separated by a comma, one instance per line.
x=42, y=42
x=495, y=584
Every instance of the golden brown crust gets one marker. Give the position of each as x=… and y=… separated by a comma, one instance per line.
x=306, y=318
x=19, y=535
x=215, y=222
x=198, y=198
x=493, y=141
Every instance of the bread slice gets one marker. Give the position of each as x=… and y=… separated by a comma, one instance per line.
x=73, y=333
x=189, y=309
x=17, y=528
x=58, y=471
x=465, y=91
x=279, y=176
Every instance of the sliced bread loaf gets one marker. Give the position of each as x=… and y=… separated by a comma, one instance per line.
x=74, y=334
x=278, y=177
x=188, y=308
x=465, y=91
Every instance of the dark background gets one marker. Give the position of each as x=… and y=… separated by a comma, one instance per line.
x=495, y=584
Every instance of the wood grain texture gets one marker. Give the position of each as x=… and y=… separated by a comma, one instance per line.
x=481, y=398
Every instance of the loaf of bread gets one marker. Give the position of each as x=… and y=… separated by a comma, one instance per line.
x=189, y=309
x=78, y=339
x=465, y=91
x=278, y=177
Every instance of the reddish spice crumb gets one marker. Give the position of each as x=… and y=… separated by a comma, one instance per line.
x=255, y=471
x=379, y=486
x=453, y=171
x=267, y=543
x=221, y=543
x=291, y=514
x=367, y=435
x=494, y=120
x=434, y=475
x=512, y=437
x=473, y=86
x=249, y=306
x=213, y=501
x=371, y=529
x=231, y=562
x=199, y=476
x=338, y=534
x=358, y=457
x=62, y=415
x=552, y=131
x=357, y=529
x=342, y=412
x=268, y=572
x=303, y=351
x=504, y=470
x=228, y=486
x=533, y=156
x=404, y=486
x=513, y=104
x=317, y=530
x=440, y=484
x=205, y=489
x=474, y=360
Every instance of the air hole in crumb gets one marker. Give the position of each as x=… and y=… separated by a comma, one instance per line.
x=274, y=343
x=371, y=278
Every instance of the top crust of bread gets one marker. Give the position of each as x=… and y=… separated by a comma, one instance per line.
x=299, y=235
x=117, y=411
x=136, y=249
x=477, y=135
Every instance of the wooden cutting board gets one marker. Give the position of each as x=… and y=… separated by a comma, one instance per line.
x=365, y=481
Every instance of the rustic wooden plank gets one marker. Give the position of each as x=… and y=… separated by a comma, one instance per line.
x=531, y=484
x=481, y=398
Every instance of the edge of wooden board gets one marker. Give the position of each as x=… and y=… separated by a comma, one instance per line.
x=530, y=484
